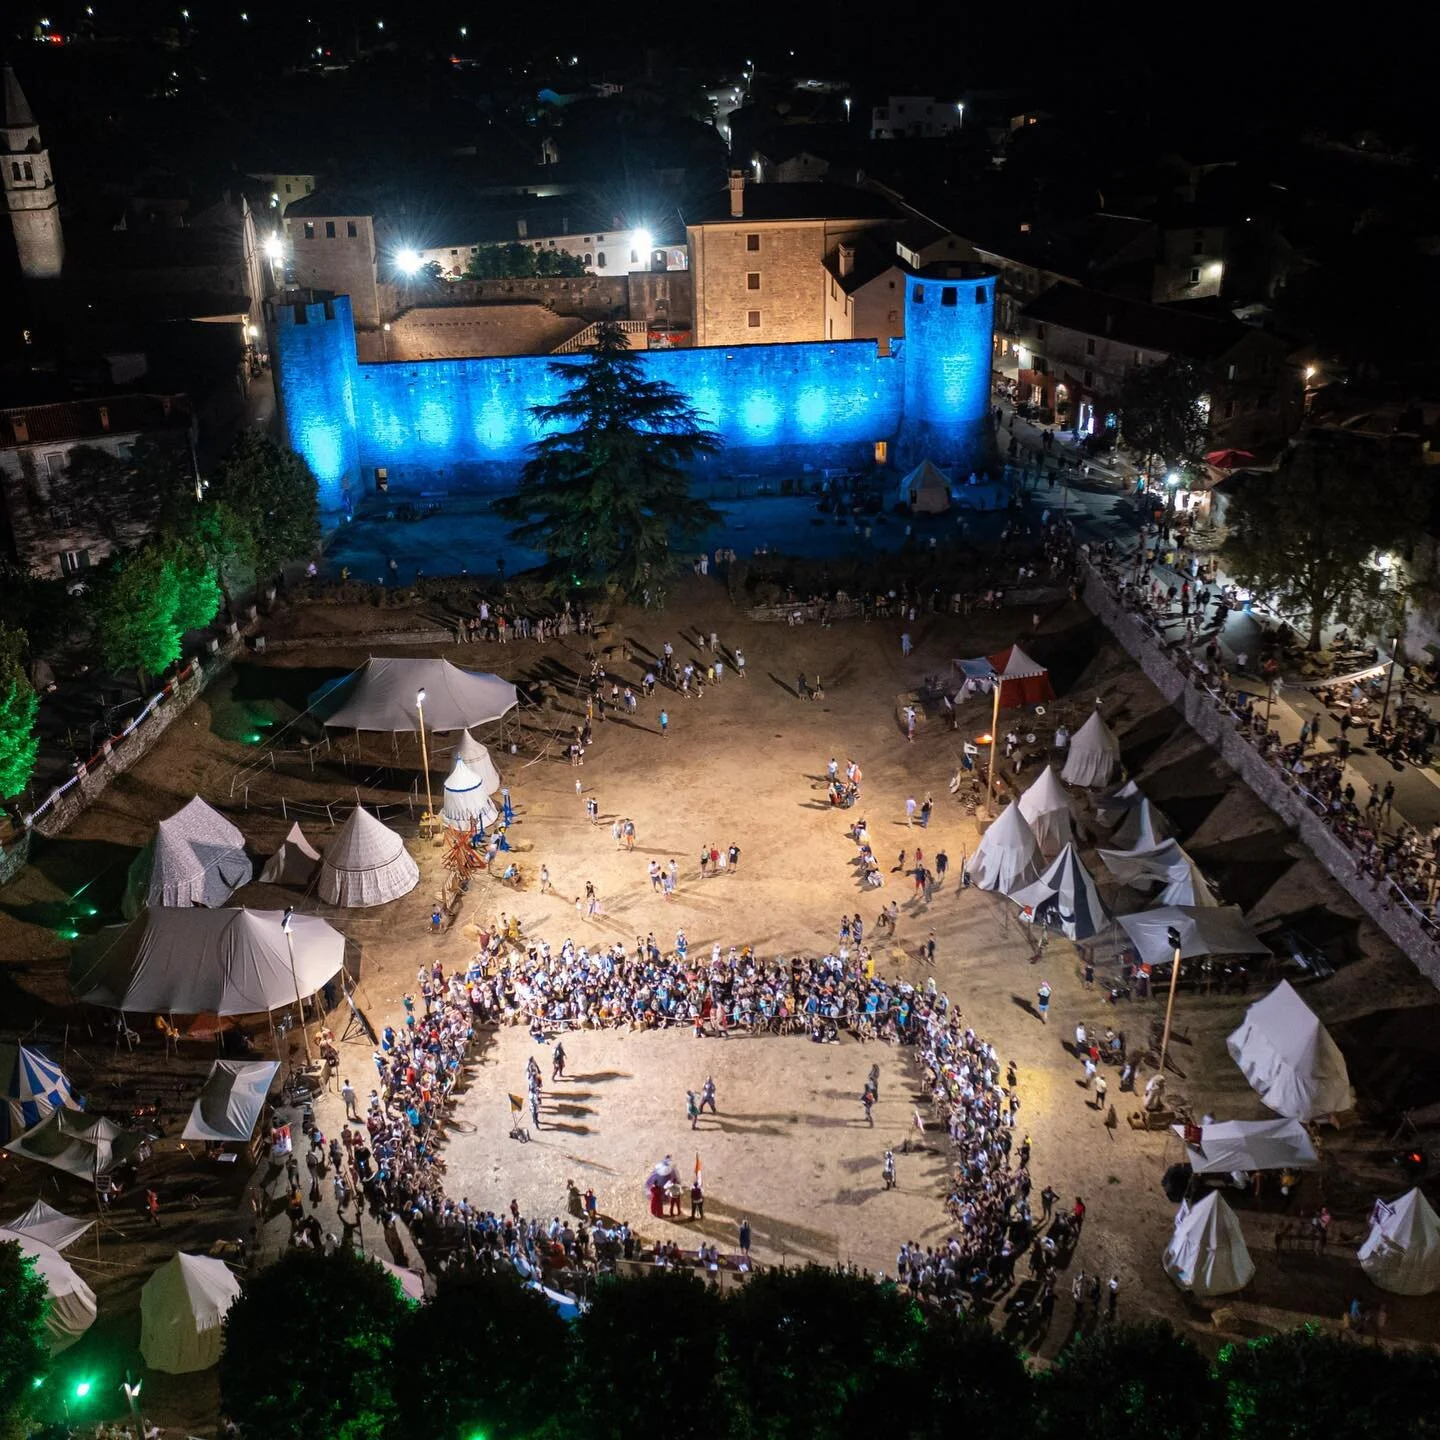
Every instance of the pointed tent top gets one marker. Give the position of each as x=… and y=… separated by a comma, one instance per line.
x=1013, y=663
x=928, y=473
x=1006, y=854
x=1094, y=751
x=1067, y=884
x=477, y=757
x=1207, y=1252
x=1044, y=796
x=1143, y=827
x=1402, y=1251
x=18, y=115
x=363, y=842
x=462, y=778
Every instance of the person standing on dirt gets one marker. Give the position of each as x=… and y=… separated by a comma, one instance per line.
x=1042, y=1000
x=707, y=1095
x=557, y=1062
x=887, y=1170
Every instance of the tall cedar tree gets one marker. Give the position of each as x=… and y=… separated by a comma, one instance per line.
x=1308, y=538
x=605, y=491
x=24, y=1340
x=19, y=744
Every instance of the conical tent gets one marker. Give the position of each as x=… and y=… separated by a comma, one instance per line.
x=1402, y=1251
x=1007, y=854
x=1188, y=887
x=182, y=1309
x=1142, y=828
x=477, y=757
x=1046, y=807
x=1065, y=897
x=294, y=863
x=72, y=1307
x=366, y=864
x=1207, y=1254
x=1113, y=806
x=381, y=695
x=1023, y=681
x=71, y=1141
x=466, y=801
x=31, y=1086
x=1094, y=753
x=1290, y=1059
x=196, y=857
x=926, y=489
x=231, y=1101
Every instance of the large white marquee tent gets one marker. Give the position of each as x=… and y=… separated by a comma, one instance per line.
x=72, y=1302
x=380, y=695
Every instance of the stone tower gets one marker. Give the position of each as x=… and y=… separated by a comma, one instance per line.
x=29, y=188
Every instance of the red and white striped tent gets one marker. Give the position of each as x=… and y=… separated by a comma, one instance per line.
x=1022, y=681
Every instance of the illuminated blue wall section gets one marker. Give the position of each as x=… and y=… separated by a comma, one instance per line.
x=949, y=325
x=314, y=350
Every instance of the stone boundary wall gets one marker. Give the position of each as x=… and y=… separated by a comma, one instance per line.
x=14, y=857
x=1205, y=713
x=352, y=641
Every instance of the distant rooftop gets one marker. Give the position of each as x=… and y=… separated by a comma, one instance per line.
x=1133, y=322
x=78, y=420
x=799, y=201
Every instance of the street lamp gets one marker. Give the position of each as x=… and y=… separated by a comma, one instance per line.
x=1173, y=936
x=132, y=1394
x=424, y=756
x=285, y=925
x=1389, y=676
x=994, y=745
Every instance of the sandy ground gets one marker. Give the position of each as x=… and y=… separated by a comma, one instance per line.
x=789, y=1148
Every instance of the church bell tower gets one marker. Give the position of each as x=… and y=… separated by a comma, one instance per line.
x=29, y=188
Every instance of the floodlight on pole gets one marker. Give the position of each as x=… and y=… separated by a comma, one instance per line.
x=424, y=755
x=132, y=1396
x=994, y=742
x=1173, y=936
x=286, y=925
x=407, y=261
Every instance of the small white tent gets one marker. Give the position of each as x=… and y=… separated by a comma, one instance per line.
x=1046, y=807
x=366, y=864
x=182, y=1307
x=1094, y=753
x=1402, y=1251
x=72, y=1302
x=466, y=801
x=48, y=1225
x=1142, y=828
x=1113, y=806
x=231, y=1100
x=1007, y=854
x=294, y=863
x=926, y=490
x=1206, y=1254
x=1289, y=1057
x=1228, y=1147
x=477, y=757
x=196, y=857
x=1065, y=896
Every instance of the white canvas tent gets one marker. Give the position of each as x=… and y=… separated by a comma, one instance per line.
x=198, y=962
x=294, y=863
x=1046, y=807
x=31, y=1086
x=466, y=800
x=1143, y=827
x=1228, y=1147
x=195, y=857
x=1094, y=753
x=49, y=1226
x=1113, y=806
x=1402, y=1251
x=1204, y=930
x=71, y=1141
x=380, y=695
x=182, y=1307
x=366, y=864
x=1206, y=1254
x=1165, y=864
x=926, y=489
x=231, y=1100
x=1065, y=896
x=477, y=757
x=1289, y=1057
x=72, y=1302
x=1007, y=854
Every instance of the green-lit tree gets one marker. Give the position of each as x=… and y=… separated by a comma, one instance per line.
x=1163, y=417
x=512, y=1395
x=148, y=601
x=309, y=1349
x=19, y=744
x=605, y=492
x=24, y=1341
x=1314, y=538
x=1130, y=1382
x=645, y=1357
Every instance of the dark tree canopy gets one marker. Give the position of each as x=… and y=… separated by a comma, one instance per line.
x=606, y=491
x=309, y=1349
x=260, y=505
x=24, y=1340
x=1162, y=412
x=1311, y=537
x=517, y=261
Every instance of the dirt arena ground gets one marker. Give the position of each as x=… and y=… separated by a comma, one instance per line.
x=745, y=765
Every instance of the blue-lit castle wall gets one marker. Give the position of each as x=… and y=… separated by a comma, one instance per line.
x=780, y=409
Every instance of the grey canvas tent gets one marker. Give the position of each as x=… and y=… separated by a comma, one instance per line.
x=1207, y=1254
x=1141, y=828
x=78, y=1144
x=201, y=962
x=1204, y=930
x=195, y=857
x=366, y=864
x=294, y=863
x=1116, y=803
x=1065, y=898
x=231, y=1101
x=1166, y=865
x=381, y=695
x=1402, y=1251
x=48, y=1225
x=477, y=757
x=926, y=489
x=1007, y=854
x=1094, y=754
x=1289, y=1057
x=1229, y=1147
x=466, y=801
x=1046, y=807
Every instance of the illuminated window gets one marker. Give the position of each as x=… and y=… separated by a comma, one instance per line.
x=329, y=229
x=752, y=280
x=309, y=230
x=352, y=232
x=752, y=242
x=752, y=319
x=882, y=451
x=948, y=295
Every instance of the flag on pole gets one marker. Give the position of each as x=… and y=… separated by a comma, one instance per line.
x=516, y=1104
x=698, y=1172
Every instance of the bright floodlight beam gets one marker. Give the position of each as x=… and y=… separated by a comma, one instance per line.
x=407, y=261
x=644, y=243
x=274, y=248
